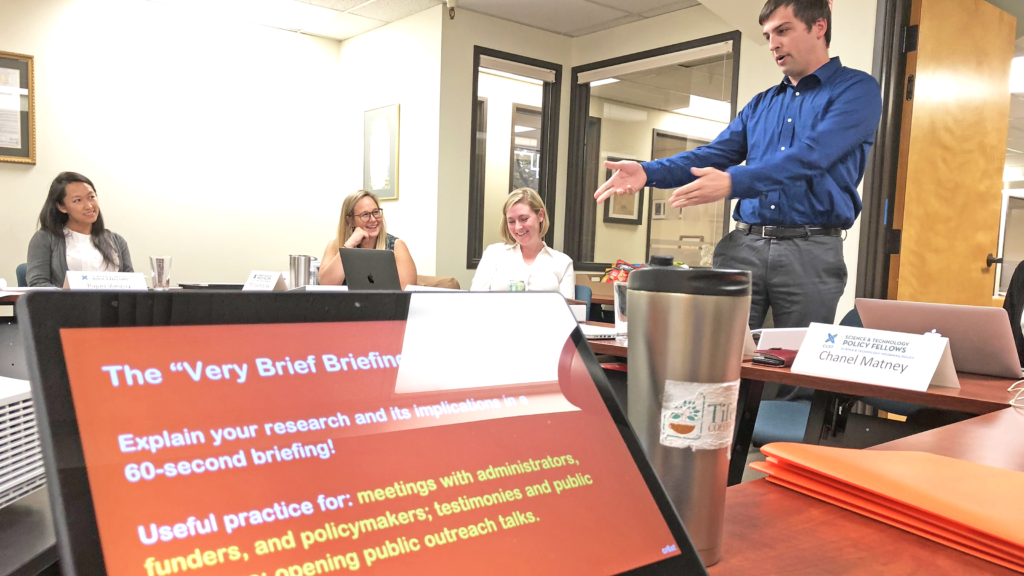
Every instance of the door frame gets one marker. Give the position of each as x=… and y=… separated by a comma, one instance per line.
x=878, y=241
x=550, y=103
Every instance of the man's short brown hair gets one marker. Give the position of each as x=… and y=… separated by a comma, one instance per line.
x=806, y=11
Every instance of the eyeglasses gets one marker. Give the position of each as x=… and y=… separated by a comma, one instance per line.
x=376, y=214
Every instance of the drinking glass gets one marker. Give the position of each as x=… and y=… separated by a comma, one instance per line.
x=161, y=267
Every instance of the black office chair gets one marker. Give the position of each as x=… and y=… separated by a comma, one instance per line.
x=785, y=418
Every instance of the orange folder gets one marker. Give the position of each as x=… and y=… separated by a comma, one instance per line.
x=971, y=507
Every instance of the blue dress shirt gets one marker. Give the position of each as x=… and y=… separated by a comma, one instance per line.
x=806, y=148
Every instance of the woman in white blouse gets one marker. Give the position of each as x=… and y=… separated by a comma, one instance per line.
x=71, y=235
x=524, y=257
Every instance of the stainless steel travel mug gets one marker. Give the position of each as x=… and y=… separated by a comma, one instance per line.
x=686, y=330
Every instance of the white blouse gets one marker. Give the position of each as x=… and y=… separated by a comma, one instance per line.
x=500, y=264
x=82, y=256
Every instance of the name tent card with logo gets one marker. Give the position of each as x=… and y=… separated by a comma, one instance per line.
x=263, y=280
x=894, y=359
x=105, y=281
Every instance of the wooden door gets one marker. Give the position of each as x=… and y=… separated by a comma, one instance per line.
x=952, y=150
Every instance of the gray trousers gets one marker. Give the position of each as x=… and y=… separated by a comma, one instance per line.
x=800, y=279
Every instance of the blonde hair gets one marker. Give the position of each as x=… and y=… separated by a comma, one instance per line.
x=345, y=229
x=530, y=198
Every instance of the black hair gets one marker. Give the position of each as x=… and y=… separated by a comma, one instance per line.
x=53, y=220
x=806, y=11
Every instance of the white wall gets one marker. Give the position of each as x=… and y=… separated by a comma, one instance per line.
x=459, y=36
x=397, y=64
x=214, y=142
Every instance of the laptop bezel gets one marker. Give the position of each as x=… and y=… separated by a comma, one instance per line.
x=43, y=314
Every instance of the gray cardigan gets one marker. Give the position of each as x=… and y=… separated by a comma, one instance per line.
x=48, y=258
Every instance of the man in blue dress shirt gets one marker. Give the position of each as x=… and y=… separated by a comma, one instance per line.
x=805, y=143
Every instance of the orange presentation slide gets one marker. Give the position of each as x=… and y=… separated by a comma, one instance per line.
x=285, y=450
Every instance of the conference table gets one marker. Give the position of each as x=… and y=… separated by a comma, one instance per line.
x=977, y=395
x=774, y=530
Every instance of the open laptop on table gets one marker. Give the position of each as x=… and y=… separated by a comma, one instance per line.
x=980, y=338
x=370, y=269
x=298, y=433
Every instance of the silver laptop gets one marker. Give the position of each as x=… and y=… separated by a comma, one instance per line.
x=980, y=338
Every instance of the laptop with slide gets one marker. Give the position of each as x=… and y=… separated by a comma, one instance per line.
x=980, y=338
x=309, y=433
x=370, y=269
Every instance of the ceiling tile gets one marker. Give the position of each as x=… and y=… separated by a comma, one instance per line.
x=344, y=26
x=394, y=10
x=560, y=17
x=640, y=6
x=339, y=5
x=605, y=25
x=670, y=7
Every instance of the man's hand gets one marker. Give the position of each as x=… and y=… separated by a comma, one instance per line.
x=629, y=178
x=710, y=186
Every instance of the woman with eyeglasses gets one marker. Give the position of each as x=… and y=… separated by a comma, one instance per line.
x=362, y=225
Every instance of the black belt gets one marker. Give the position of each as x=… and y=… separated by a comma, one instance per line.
x=788, y=231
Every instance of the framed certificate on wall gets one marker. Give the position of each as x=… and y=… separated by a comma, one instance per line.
x=17, y=109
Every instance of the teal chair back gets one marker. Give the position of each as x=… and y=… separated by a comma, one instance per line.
x=21, y=273
x=585, y=294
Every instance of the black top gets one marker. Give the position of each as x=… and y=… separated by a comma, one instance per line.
x=1014, y=306
x=697, y=281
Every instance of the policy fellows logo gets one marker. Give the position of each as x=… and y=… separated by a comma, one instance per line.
x=830, y=340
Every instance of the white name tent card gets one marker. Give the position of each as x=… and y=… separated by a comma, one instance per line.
x=749, y=348
x=785, y=338
x=105, y=281
x=893, y=359
x=263, y=280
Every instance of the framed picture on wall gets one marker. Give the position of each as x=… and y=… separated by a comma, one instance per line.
x=380, y=152
x=17, y=109
x=623, y=208
x=659, y=208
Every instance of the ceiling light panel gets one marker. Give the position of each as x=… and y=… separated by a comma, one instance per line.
x=1017, y=76
x=393, y=10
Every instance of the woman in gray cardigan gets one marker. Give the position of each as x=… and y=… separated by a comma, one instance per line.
x=71, y=235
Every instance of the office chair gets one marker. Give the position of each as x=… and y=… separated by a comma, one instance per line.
x=22, y=273
x=585, y=294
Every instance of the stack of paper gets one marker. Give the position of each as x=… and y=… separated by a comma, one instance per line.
x=971, y=507
x=21, y=460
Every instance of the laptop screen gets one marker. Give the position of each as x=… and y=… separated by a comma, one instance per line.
x=468, y=438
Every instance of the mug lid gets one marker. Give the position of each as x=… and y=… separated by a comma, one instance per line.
x=696, y=281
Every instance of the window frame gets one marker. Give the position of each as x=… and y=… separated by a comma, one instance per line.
x=579, y=111
x=548, y=146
